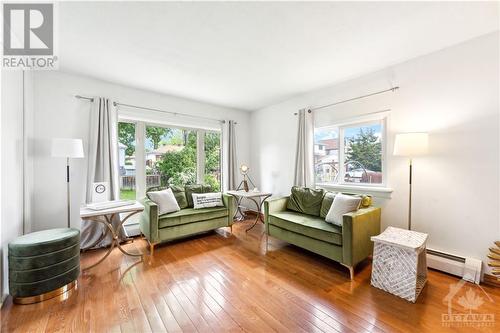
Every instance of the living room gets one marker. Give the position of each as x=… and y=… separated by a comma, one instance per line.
x=261, y=166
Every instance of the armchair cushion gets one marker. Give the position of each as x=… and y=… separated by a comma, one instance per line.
x=311, y=226
x=305, y=200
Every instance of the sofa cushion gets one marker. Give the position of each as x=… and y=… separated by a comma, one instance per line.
x=190, y=215
x=366, y=201
x=305, y=200
x=342, y=204
x=326, y=203
x=195, y=188
x=180, y=196
x=165, y=200
x=314, y=227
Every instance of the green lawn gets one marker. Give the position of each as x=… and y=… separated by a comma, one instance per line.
x=127, y=194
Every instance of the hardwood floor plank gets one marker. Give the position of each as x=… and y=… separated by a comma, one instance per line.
x=223, y=282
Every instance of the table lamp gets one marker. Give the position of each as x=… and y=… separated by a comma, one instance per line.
x=68, y=148
x=244, y=171
x=411, y=145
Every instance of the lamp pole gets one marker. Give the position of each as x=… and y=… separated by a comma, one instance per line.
x=68, y=193
x=409, y=196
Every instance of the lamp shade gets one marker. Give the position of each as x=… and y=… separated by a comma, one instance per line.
x=411, y=144
x=72, y=148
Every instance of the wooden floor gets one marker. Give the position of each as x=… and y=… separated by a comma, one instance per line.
x=222, y=282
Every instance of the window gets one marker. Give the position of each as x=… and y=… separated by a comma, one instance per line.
x=350, y=153
x=126, y=160
x=212, y=160
x=171, y=156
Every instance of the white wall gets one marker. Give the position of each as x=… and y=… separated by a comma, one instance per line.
x=57, y=113
x=454, y=95
x=11, y=166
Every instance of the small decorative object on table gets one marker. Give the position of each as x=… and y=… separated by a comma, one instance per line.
x=244, y=171
x=252, y=195
x=399, y=262
x=495, y=259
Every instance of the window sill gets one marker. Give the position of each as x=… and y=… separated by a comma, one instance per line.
x=374, y=191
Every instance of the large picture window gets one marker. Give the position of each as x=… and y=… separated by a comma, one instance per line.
x=350, y=153
x=160, y=155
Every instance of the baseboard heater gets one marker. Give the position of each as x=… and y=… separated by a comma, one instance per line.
x=467, y=268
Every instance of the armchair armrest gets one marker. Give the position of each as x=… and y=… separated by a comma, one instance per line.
x=274, y=205
x=149, y=220
x=230, y=204
x=357, y=229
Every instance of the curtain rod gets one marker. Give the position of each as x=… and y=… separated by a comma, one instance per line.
x=156, y=110
x=351, y=99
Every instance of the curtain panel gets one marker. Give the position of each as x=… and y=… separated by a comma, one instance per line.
x=304, y=156
x=102, y=167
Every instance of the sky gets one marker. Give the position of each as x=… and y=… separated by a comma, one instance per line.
x=350, y=132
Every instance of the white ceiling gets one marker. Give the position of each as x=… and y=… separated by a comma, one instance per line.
x=250, y=55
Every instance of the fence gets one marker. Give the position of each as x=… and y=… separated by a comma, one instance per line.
x=128, y=182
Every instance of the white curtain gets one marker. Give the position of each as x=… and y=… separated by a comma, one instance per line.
x=232, y=163
x=102, y=166
x=304, y=158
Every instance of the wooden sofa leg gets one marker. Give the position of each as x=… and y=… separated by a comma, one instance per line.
x=351, y=271
x=152, y=248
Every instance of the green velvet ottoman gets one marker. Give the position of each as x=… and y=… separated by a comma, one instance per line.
x=43, y=264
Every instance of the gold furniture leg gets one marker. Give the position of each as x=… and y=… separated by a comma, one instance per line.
x=114, y=237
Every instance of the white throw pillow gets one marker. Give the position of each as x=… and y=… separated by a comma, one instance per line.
x=165, y=200
x=342, y=204
x=206, y=200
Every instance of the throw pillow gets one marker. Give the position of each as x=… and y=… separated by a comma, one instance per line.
x=342, y=204
x=206, y=200
x=326, y=204
x=180, y=196
x=305, y=200
x=165, y=200
x=195, y=188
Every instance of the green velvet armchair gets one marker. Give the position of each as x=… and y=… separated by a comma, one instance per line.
x=185, y=222
x=348, y=244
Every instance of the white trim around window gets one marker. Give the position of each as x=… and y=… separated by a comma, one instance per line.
x=377, y=189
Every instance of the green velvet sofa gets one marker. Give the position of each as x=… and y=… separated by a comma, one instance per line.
x=185, y=222
x=348, y=244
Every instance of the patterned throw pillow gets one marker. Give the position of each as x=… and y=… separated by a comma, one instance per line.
x=207, y=200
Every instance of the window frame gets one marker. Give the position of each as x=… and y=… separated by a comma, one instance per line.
x=357, y=122
x=140, y=141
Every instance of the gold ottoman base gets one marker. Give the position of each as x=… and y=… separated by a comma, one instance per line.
x=64, y=292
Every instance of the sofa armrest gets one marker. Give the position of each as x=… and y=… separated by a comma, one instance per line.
x=230, y=204
x=149, y=220
x=357, y=229
x=274, y=205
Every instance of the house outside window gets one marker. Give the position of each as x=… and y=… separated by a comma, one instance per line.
x=351, y=153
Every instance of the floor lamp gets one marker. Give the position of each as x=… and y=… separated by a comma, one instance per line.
x=411, y=145
x=68, y=148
